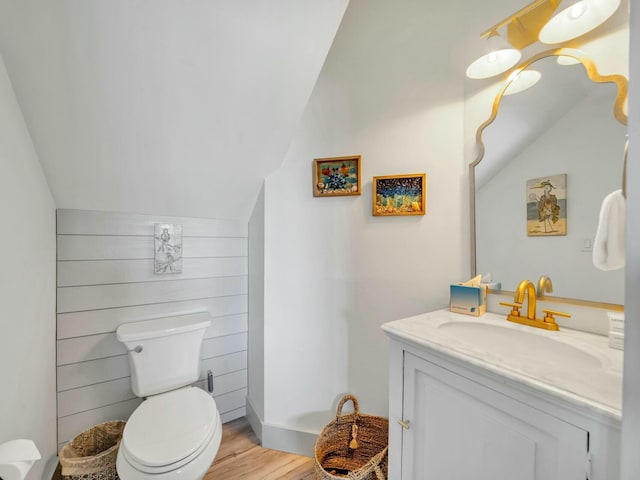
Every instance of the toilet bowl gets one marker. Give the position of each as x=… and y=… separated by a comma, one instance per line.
x=173, y=435
x=176, y=431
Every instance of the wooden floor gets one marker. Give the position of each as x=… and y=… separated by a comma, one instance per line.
x=241, y=457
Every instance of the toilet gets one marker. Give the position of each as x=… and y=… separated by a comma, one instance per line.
x=175, y=433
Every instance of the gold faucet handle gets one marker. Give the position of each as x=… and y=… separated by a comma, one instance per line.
x=515, y=308
x=548, y=318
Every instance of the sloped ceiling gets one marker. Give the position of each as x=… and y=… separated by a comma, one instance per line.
x=164, y=106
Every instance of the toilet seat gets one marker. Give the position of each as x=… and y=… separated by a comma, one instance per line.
x=169, y=430
x=169, y=467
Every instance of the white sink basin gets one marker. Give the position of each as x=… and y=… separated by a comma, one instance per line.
x=526, y=350
x=576, y=366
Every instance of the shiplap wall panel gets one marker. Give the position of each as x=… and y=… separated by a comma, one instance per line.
x=226, y=383
x=91, y=372
x=92, y=347
x=100, y=272
x=227, y=325
x=98, y=297
x=89, y=222
x=230, y=401
x=81, y=399
x=86, y=398
x=94, y=371
x=71, y=425
x=105, y=278
x=75, y=324
x=91, y=247
x=232, y=415
x=212, y=347
x=224, y=364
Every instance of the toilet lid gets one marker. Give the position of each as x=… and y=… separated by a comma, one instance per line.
x=169, y=427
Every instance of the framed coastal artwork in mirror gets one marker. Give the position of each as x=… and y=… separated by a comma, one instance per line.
x=547, y=206
x=570, y=126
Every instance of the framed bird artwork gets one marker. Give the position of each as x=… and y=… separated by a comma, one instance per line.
x=337, y=176
x=547, y=206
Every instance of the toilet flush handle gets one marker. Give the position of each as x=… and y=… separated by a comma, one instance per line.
x=138, y=349
x=210, y=381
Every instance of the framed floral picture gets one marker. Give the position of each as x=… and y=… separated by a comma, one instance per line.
x=400, y=194
x=337, y=176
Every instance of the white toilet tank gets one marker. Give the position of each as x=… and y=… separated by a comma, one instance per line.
x=164, y=353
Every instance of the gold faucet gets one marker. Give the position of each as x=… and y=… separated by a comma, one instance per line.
x=544, y=285
x=526, y=288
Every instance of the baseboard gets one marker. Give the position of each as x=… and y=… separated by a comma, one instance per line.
x=56, y=474
x=281, y=438
x=254, y=420
x=288, y=440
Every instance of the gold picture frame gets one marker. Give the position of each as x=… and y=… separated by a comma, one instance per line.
x=400, y=194
x=336, y=176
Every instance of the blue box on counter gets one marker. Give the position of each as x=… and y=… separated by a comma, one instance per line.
x=468, y=300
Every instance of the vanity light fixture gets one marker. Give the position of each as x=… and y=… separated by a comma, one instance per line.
x=521, y=80
x=500, y=58
x=576, y=20
x=522, y=30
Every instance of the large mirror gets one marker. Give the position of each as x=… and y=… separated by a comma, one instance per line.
x=564, y=137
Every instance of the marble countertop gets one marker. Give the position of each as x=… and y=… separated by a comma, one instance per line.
x=576, y=366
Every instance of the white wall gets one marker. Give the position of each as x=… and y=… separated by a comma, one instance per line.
x=587, y=144
x=333, y=272
x=631, y=398
x=255, y=397
x=105, y=278
x=27, y=288
x=179, y=107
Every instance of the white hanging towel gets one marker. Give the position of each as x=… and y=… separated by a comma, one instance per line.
x=608, y=246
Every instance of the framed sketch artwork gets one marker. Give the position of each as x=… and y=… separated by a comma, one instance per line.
x=168, y=248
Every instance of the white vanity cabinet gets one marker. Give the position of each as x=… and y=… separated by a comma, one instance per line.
x=459, y=429
x=451, y=418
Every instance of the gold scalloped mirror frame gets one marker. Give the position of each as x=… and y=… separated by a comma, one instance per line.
x=618, y=112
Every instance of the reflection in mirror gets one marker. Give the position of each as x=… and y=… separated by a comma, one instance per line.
x=564, y=125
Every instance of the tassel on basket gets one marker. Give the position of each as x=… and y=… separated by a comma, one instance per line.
x=353, y=446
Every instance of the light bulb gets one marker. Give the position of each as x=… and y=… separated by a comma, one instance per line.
x=500, y=57
x=567, y=60
x=576, y=20
x=522, y=80
x=577, y=10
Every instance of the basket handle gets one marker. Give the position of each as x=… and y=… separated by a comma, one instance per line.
x=379, y=473
x=344, y=400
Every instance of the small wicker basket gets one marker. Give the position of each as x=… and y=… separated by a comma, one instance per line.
x=353, y=446
x=92, y=454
